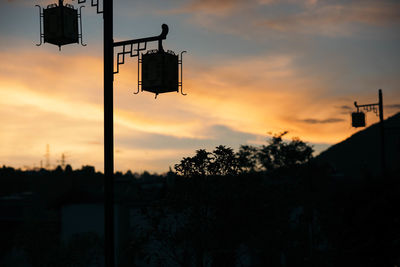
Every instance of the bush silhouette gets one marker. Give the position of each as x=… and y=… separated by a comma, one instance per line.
x=224, y=161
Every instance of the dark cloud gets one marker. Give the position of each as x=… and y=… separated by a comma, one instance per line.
x=215, y=3
x=328, y=18
x=215, y=135
x=393, y=106
x=346, y=107
x=334, y=17
x=316, y=121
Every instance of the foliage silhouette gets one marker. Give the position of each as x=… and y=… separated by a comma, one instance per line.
x=224, y=161
x=225, y=205
x=280, y=154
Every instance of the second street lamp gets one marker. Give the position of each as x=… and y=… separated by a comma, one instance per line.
x=358, y=120
x=160, y=74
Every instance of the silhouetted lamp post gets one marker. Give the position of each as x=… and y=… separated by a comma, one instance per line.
x=358, y=120
x=160, y=74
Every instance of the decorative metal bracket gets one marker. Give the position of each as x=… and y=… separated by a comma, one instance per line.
x=41, y=36
x=94, y=3
x=132, y=51
x=368, y=107
x=139, y=61
x=180, y=83
x=80, y=33
x=128, y=46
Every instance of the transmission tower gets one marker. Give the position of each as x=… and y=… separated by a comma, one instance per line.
x=47, y=156
x=62, y=161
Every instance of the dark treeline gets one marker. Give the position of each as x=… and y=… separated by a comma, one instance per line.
x=63, y=181
x=272, y=205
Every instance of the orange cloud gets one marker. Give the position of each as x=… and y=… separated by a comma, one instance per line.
x=269, y=93
x=56, y=99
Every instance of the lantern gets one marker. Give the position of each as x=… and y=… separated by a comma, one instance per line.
x=60, y=24
x=358, y=119
x=160, y=72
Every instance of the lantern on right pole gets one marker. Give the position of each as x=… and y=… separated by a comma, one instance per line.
x=358, y=119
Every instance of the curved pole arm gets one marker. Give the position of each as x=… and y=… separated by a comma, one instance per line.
x=164, y=31
x=367, y=107
x=160, y=37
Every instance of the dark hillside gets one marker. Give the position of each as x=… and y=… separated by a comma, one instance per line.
x=359, y=155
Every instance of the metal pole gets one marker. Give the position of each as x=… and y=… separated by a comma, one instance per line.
x=108, y=135
x=382, y=128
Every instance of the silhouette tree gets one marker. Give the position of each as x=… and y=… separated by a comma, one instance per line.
x=199, y=165
x=279, y=154
x=248, y=159
x=223, y=161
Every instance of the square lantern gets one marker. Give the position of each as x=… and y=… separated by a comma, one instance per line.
x=160, y=72
x=358, y=119
x=60, y=25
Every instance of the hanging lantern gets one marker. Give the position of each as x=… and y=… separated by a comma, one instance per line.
x=160, y=72
x=358, y=119
x=60, y=24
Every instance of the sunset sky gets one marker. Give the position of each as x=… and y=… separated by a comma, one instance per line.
x=253, y=67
